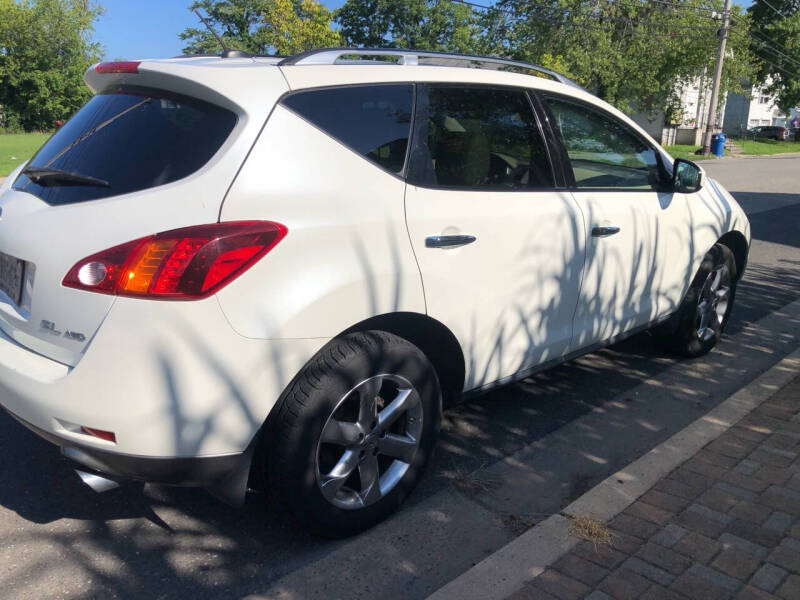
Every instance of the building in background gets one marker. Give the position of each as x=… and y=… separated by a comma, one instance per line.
x=759, y=108
x=687, y=123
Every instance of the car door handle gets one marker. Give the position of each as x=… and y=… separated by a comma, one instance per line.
x=604, y=231
x=448, y=241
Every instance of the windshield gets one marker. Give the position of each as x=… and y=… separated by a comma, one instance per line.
x=132, y=141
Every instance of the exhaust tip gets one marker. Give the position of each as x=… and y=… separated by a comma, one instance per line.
x=97, y=482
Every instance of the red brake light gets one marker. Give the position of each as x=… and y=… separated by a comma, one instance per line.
x=118, y=66
x=187, y=263
x=108, y=436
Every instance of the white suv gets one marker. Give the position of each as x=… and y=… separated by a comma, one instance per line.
x=223, y=268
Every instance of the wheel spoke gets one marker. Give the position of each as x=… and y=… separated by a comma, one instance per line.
x=401, y=447
x=333, y=481
x=404, y=400
x=370, y=480
x=341, y=433
x=717, y=273
x=703, y=319
x=368, y=405
x=357, y=433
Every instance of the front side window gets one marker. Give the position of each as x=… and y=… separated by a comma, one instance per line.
x=125, y=142
x=372, y=120
x=603, y=152
x=477, y=138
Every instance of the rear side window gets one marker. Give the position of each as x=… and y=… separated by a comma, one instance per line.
x=478, y=138
x=126, y=142
x=372, y=120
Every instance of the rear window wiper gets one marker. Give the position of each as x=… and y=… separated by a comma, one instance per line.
x=51, y=177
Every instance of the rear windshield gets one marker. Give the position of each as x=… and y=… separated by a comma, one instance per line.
x=125, y=142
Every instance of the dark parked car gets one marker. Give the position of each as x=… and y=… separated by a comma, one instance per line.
x=773, y=132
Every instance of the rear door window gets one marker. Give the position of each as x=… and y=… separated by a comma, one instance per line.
x=126, y=142
x=480, y=138
x=372, y=120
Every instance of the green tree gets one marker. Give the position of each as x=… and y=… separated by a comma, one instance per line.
x=261, y=26
x=629, y=53
x=423, y=24
x=45, y=47
x=775, y=40
x=292, y=29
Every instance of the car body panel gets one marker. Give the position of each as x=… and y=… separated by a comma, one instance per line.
x=168, y=378
x=51, y=239
x=346, y=226
x=629, y=276
x=510, y=296
x=183, y=379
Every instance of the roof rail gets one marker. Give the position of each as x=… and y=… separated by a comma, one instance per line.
x=338, y=56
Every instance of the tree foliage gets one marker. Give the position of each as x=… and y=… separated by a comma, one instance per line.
x=775, y=40
x=45, y=47
x=295, y=29
x=424, y=24
x=629, y=53
x=262, y=26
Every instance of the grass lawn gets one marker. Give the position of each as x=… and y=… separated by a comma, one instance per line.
x=760, y=147
x=18, y=147
x=687, y=151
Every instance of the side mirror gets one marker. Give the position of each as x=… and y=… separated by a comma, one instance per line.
x=687, y=177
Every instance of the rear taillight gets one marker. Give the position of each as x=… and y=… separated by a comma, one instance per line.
x=182, y=264
x=108, y=436
x=118, y=66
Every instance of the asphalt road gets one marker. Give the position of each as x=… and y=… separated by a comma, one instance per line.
x=507, y=459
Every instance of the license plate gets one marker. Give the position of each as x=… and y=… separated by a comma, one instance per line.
x=11, y=276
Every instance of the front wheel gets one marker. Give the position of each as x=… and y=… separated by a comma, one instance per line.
x=706, y=308
x=354, y=432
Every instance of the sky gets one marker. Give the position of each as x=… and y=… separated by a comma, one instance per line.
x=150, y=28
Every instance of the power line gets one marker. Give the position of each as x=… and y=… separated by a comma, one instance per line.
x=775, y=10
x=767, y=45
x=678, y=6
x=778, y=68
x=764, y=36
x=576, y=19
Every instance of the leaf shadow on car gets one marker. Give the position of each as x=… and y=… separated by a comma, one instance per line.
x=160, y=541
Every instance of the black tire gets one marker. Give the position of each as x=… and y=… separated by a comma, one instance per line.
x=684, y=337
x=320, y=389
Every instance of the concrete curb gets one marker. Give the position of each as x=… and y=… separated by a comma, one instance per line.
x=729, y=157
x=507, y=570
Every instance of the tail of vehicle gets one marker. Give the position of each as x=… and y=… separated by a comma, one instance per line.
x=154, y=151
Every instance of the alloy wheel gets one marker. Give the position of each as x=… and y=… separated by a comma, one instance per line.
x=712, y=305
x=369, y=441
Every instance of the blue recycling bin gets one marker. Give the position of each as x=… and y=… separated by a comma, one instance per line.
x=718, y=143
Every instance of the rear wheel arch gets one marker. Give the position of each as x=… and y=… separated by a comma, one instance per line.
x=736, y=243
x=435, y=340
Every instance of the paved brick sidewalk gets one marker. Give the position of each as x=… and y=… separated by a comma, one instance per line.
x=724, y=524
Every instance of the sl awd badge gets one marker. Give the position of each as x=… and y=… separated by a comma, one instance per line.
x=50, y=328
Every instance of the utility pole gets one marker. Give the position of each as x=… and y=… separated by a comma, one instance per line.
x=712, y=106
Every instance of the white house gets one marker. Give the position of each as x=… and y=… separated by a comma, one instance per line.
x=759, y=108
x=688, y=123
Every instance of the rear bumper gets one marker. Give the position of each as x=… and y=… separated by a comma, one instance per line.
x=172, y=380
x=205, y=471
